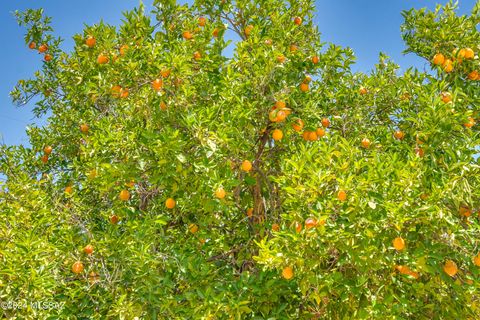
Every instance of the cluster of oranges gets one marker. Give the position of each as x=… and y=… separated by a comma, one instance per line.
x=458, y=55
x=47, y=150
x=447, y=98
x=399, y=245
x=312, y=135
x=449, y=267
x=202, y=22
x=78, y=266
x=43, y=48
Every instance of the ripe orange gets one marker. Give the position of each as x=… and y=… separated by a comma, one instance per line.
x=476, y=260
x=281, y=58
x=298, y=125
x=275, y=227
x=298, y=227
x=68, y=190
x=470, y=123
x=438, y=59
x=399, y=135
x=447, y=65
x=246, y=165
x=407, y=271
x=320, y=132
x=124, y=93
x=102, y=59
x=465, y=211
x=163, y=105
x=304, y=87
x=315, y=59
x=130, y=184
x=114, y=219
x=403, y=269
x=277, y=134
x=280, y=104
x=450, y=268
x=312, y=136
x=446, y=97
x=165, y=73
x=325, y=122
x=123, y=49
x=88, y=249
x=187, y=35
x=170, y=203
x=287, y=273
x=32, y=45
x=419, y=152
x=202, y=21
x=307, y=79
x=44, y=158
x=305, y=135
x=469, y=53
x=474, y=75
x=157, y=84
x=281, y=116
x=293, y=48
x=310, y=223
x=77, y=267
x=220, y=193
x=197, y=55
x=43, y=48
x=277, y=116
x=215, y=32
x=248, y=30
x=297, y=21
x=366, y=143
x=399, y=243
x=363, y=90
x=47, y=150
x=342, y=195
x=193, y=228
x=124, y=195
x=249, y=212
x=116, y=91
x=48, y=57
x=90, y=41
x=459, y=54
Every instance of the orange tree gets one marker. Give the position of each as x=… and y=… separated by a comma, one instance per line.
x=175, y=182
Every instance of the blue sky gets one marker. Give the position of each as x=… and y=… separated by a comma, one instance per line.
x=367, y=26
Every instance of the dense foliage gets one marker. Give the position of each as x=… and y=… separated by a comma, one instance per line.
x=175, y=180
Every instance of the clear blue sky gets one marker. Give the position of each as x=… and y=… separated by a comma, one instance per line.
x=367, y=26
